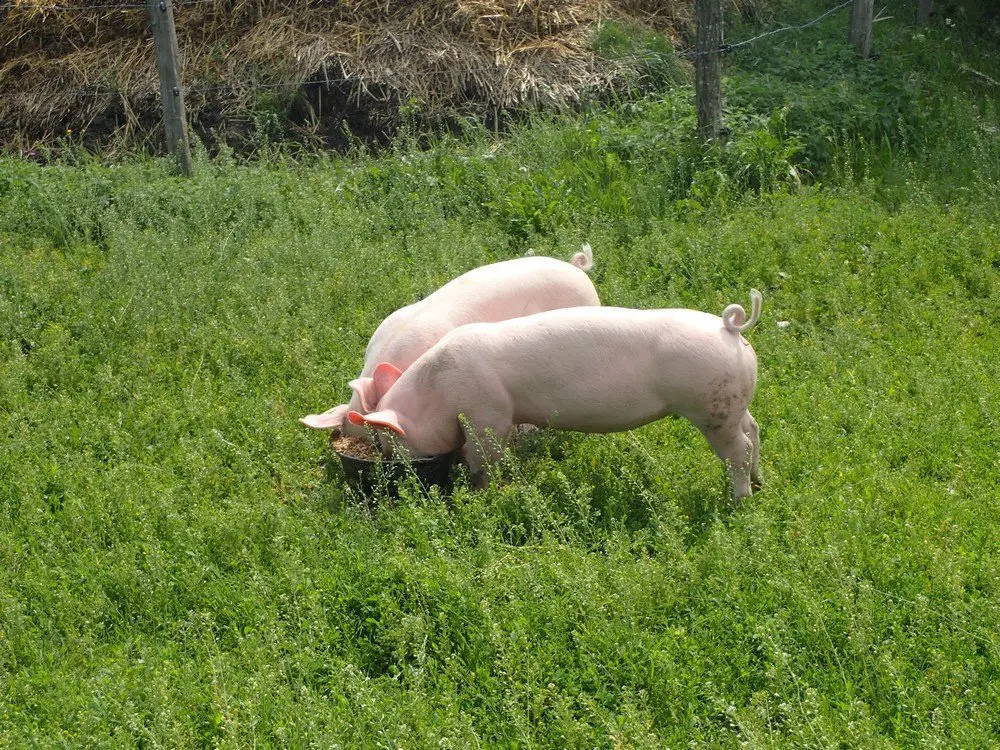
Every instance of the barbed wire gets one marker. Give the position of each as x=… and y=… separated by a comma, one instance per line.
x=806, y=25
x=725, y=48
x=979, y=74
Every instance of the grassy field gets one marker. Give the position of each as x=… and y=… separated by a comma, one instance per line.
x=180, y=567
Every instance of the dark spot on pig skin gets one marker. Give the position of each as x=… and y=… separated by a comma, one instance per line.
x=720, y=402
x=445, y=359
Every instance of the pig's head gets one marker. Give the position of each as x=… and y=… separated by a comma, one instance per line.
x=387, y=425
x=367, y=392
x=414, y=419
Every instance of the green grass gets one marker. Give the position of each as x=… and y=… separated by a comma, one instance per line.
x=179, y=565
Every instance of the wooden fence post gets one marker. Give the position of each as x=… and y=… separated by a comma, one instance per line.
x=924, y=8
x=161, y=21
x=708, y=68
x=861, y=26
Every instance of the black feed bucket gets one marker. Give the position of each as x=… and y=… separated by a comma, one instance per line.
x=366, y=476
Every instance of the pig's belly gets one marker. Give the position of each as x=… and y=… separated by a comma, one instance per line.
x=581, y=410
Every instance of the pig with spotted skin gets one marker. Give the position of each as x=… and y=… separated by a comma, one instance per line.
x=587, y=369
x=496, y=292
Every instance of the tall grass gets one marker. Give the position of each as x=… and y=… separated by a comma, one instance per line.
x=182, y=568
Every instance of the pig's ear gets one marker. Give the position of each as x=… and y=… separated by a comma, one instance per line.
x=386, y=420
x=367, y=392
x=332, y=419
x=385, y=375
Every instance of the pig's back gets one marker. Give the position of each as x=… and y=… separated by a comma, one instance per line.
x=614, y=328
x=511, y=289
x=488, y=294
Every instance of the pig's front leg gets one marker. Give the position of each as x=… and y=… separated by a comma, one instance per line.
x=484, y=446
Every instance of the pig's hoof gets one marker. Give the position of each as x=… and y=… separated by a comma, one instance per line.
x=481, y=481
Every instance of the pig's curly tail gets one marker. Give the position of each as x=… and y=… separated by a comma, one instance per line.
x=734, y=317
x=584, y=260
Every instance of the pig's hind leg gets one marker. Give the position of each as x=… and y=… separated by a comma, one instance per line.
x=736, y=449
x=752, y=431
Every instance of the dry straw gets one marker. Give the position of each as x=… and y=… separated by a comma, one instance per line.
x=93, y=68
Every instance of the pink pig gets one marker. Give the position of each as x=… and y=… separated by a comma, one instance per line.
x=589, y=369
x=499, y=291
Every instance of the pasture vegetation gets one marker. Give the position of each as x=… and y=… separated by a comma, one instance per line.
x=179, y=565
